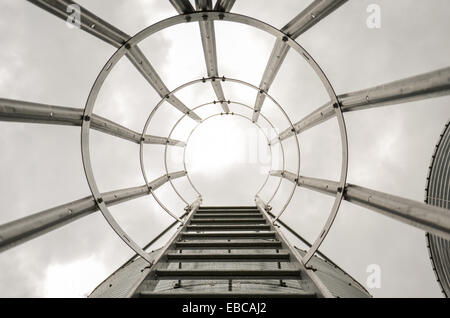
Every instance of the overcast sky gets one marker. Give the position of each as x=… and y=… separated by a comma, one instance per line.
x=389, y=147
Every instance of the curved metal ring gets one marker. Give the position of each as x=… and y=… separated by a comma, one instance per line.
x=184, y=159
x=204, y=80
x=236, y=114
x=195, y=17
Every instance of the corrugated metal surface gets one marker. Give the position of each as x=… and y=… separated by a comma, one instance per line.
x=437, y=193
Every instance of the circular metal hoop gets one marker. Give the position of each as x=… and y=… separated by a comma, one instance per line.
x=240, y=115
x=204, y=80
x=184, y=159
x=195, y=17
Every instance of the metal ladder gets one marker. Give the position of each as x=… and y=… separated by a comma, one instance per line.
x=222, y=251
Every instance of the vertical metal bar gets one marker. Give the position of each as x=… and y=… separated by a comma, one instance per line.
x=182, y=6
x=117, y=38
x=208, y=37
x=315, y=12
x=433, y=219
x=29, y=227
x=26, y=112
x=428, y=85
x=203, y=5
x=224, y=5
x=89, y=21
x=277, y=57
x=309, y=17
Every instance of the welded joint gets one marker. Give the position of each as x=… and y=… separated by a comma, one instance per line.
x=335, y=106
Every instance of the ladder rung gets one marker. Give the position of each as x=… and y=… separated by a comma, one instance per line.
x=202, y=274
x=233, y=227
x=240, y=221
x=228, y=211
x=230, y=257
x=228, y=245
x=230, y=215
x=269, y=234
x=228, y=207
